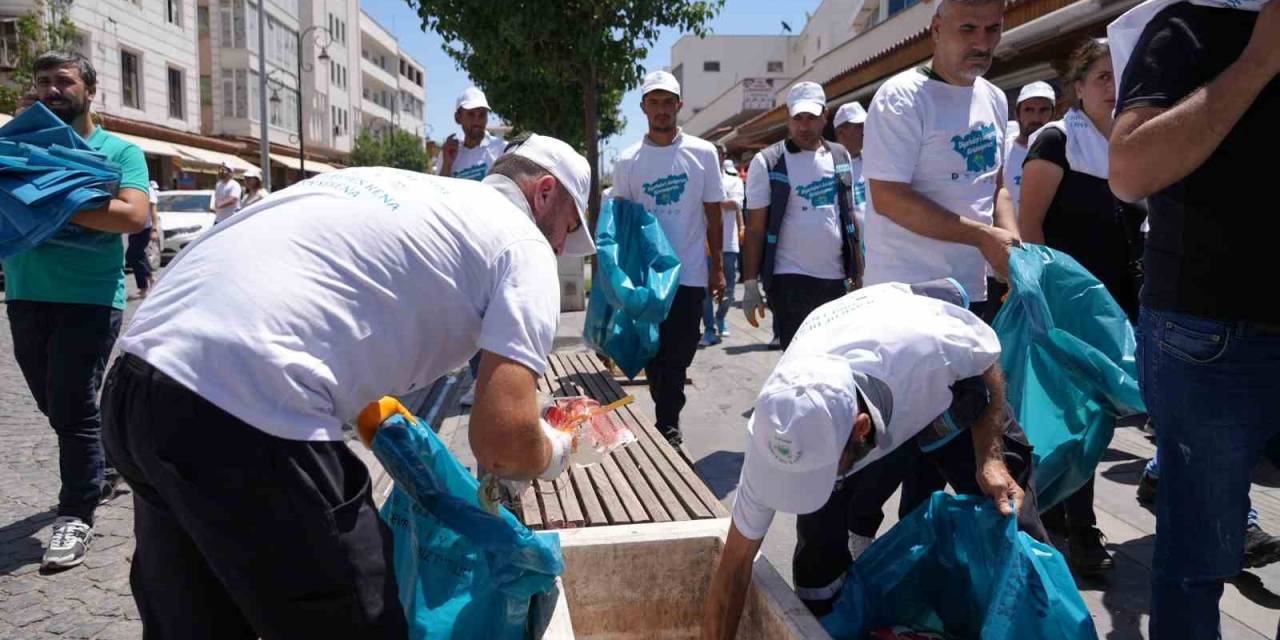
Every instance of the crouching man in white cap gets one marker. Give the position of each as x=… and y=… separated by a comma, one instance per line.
x=877, y=369
x=226, y=411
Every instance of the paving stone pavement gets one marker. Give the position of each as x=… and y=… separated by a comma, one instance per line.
x=91, y=601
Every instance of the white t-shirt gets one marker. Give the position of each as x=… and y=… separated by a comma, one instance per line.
x=859, y=195
x=1013, y=173
x=915, y=345
x=946, y=141
x=352, y=285
x=673, y=183
x=733, y=190
x=474, y=163
x=153, y=193
x=810, y=241
x=222, y=191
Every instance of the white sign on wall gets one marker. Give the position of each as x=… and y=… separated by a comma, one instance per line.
x=757, y=93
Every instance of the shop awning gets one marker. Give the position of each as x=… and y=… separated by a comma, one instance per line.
x=150, y=146
x=208, y=161
x=319, y=167
x=290, y=162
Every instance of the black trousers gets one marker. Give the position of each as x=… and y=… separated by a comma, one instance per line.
x=792, y=297
x=241, y=534
x=677, y=343
x=822, y=557
x=62, y=350
x=1075, y=513
x=135, y=256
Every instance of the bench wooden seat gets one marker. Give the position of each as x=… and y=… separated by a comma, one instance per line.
x=647, y=481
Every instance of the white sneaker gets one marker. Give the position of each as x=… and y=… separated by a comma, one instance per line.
x=858, y=544
x=469, y=398
x=68, y=544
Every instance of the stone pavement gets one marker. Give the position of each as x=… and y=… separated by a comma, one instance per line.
x=727, y=377
x=89, y=601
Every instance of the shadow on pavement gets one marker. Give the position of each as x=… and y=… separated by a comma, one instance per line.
x=720, y=470
x=738, y=349
x=1126, y=590
x=18, y=543
x=1251, y=587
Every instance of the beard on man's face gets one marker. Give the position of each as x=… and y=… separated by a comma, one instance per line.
x=66, y=108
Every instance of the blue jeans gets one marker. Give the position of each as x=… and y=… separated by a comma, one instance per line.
x=62, y=350
x=1213, y=389
x=714, y=322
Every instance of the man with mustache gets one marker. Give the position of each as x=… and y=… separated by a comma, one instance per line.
x=676, y=177
x=65, y=305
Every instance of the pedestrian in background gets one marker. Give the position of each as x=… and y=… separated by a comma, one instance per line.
x=676, y=177
x=473, y=156
x=135, y=256
x=226, y=194
x=714, y=327
x=253, y=190
x=65, y=305
x=850, y=125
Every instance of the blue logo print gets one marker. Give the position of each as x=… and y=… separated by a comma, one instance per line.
x=820, y=192
x=666, y=190
x=476, y=171
x=978, y=148
x=860, y=192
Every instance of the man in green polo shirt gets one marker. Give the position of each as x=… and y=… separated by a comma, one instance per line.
x=65, y=305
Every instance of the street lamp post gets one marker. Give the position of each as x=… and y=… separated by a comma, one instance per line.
x=308, y=67
x=264, y=78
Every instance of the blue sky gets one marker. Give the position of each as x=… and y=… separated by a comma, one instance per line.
x=445, y=80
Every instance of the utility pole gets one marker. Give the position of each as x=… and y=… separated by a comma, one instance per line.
x=264, y=139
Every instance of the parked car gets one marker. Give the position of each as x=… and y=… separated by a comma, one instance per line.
x=184, y=216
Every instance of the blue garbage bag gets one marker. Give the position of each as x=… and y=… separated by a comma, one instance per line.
x=462, y=572
x=1068, y=357
x=956, y=565
x=635, y=283
x=48, y=173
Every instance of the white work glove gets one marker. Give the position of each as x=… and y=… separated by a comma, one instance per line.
x=561, y=449
x=752, y=301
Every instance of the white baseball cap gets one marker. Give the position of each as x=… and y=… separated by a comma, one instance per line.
x=1036, y=90
x=729, y=168
x=851, y=112
x=659, y=81
x=472, y=98
x=253, y=173
x=802, y=421
x=806, y=97
x=571, y=170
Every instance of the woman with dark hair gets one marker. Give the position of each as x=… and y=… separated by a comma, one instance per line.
x=1066, y=204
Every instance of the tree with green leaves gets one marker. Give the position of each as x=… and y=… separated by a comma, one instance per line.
x=559, y=67
x=397, y=148
x=43, y=28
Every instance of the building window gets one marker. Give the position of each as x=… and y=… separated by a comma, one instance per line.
x=130, y=80
x=711, y=66
x=177, y=101
x=173, y=12
x=897, y=6
x=774, y=66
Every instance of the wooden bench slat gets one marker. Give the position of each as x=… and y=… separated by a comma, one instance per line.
x=626, y=493
x=569, y=506
x=529, y=513
x=614, y=512
x=645, y=459
x=693, y=491
x=592, y=512
x=550, y=501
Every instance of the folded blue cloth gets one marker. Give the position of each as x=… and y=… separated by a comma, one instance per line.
x=48, y=174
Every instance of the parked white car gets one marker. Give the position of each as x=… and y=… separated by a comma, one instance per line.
x=184, y=216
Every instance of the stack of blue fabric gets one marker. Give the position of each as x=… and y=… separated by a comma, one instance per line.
x=47, y=174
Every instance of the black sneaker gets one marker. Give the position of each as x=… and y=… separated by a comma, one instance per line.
x=1260, y=547
x=1147, y=489
x=1087, y=553
x=672, y=434
x=775, y=344
x=68, y=544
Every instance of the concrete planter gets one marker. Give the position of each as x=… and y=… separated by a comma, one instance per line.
x=649, y=582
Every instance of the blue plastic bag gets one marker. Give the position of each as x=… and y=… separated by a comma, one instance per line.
x=462, y=572
x=48, y=174
x=956, y=565
x=635, y=283
x=1068, y=357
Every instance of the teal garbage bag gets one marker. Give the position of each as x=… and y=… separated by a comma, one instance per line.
x=463, y=573
x=1068, y=357
x=637, y=273
x=957, y=566
x=48, y=174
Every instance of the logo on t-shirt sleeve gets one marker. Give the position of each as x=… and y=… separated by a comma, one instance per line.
x=476, y=171
x=978, y=148
x=860, y=192
x=667, y=190
x=820, y=192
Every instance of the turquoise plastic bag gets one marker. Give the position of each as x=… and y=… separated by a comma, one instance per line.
x=462, y=572
x=956, y=565
x=1068, y=357
x=637, y=273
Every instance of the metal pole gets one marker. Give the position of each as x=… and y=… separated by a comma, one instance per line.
x=264, y=140
x=302, y=136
